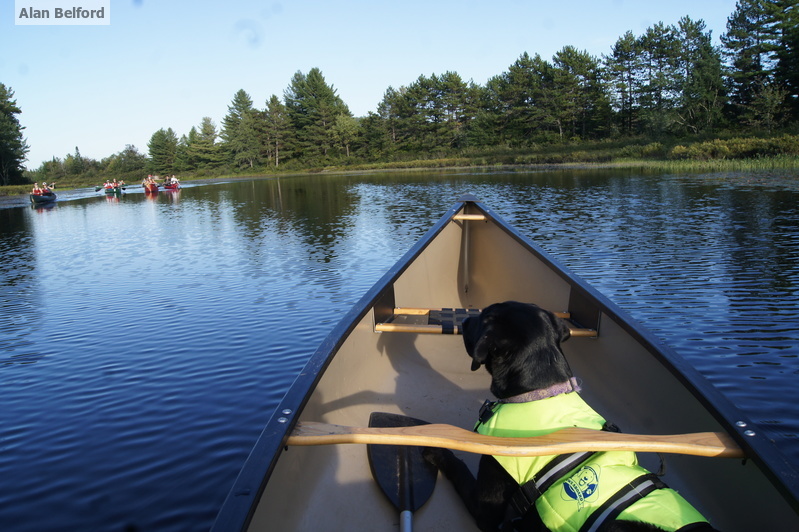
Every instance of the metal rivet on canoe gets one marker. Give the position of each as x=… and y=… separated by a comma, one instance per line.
x=282, y=419
x=741, y=424
x=749, y=432
x=287, y=411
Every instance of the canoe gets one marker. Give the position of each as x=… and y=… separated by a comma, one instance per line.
x=172, y=186
x=150, y=187
x=46, y=197
x=114, y=190
x=390, y=354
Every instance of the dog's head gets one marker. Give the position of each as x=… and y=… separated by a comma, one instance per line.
x=519, y=344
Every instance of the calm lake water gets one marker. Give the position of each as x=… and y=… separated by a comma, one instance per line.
x=144, y=341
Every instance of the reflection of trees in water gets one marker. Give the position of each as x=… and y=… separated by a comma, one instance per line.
x=314, y=209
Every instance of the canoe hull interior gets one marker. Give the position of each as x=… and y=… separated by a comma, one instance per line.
x=624, y=375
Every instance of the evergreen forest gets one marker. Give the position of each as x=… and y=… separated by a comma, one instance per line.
x=669, y=93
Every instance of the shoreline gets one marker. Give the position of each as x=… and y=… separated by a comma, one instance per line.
x=712, y=166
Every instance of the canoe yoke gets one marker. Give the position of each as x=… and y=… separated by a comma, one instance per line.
x=449, y=321
x=709, y=444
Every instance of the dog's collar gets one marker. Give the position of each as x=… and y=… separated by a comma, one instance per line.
x=544, y=393
x=488, y=408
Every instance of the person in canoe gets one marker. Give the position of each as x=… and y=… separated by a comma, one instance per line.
x=36, y=190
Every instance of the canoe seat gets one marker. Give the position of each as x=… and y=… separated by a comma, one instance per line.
x=449, y=321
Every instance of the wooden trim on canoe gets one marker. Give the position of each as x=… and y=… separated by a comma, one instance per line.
x=415, y=328
x=470, y=217
x=427, y=328
x=422, y=311
x=710, y=444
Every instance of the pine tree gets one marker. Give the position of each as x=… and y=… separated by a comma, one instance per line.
x=622, y=68
x=521, y=101
x=163, y=150
x=543, y=111
x=659, y=92
x=459, y=105
x=239, y=107
x=749, y=48
x=397, y=114
x=312, y=106
x=75, y=164
x=13, y=146
x=277, y=130
x=702, y=93
x=205, y=150
x=581, y=99
x=345, y=131
x=185, y=154
x=786, y=72
x=239, y=133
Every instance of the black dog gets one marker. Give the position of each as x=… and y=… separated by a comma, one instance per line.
x=519, y=344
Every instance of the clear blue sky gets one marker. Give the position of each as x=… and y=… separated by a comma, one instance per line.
x=169, y=63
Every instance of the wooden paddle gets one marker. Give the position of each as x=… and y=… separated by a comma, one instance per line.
x=401, y=471
x=714, y=444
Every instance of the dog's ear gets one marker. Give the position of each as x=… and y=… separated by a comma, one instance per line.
x=480, y=353
x=561, y=328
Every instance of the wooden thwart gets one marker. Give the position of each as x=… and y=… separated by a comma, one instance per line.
x=470, y=217
x=398, y=323
x=713, y=444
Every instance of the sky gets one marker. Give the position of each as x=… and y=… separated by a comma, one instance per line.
x=169, y=63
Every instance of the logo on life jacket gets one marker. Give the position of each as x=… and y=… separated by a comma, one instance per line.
x=582, y=487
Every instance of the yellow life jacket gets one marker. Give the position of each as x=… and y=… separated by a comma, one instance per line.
x=578, y=492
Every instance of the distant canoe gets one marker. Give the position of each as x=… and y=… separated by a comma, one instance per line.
x=46, y=197
x=150, y=187
x=113, y=190
x=172, y=186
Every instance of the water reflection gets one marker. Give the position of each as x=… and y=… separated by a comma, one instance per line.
x=166, y=326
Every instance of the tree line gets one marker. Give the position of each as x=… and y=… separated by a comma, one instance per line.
x=670, y=82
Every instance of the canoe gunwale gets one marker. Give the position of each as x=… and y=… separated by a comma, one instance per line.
x=242, y=500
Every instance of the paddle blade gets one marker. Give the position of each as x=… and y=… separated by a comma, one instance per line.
x=405, y=477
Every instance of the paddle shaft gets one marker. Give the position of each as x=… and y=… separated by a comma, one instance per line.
x=406, y=496
x=712, y=444
x=406, y=521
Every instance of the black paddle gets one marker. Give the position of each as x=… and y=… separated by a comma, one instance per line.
x=401, y=471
